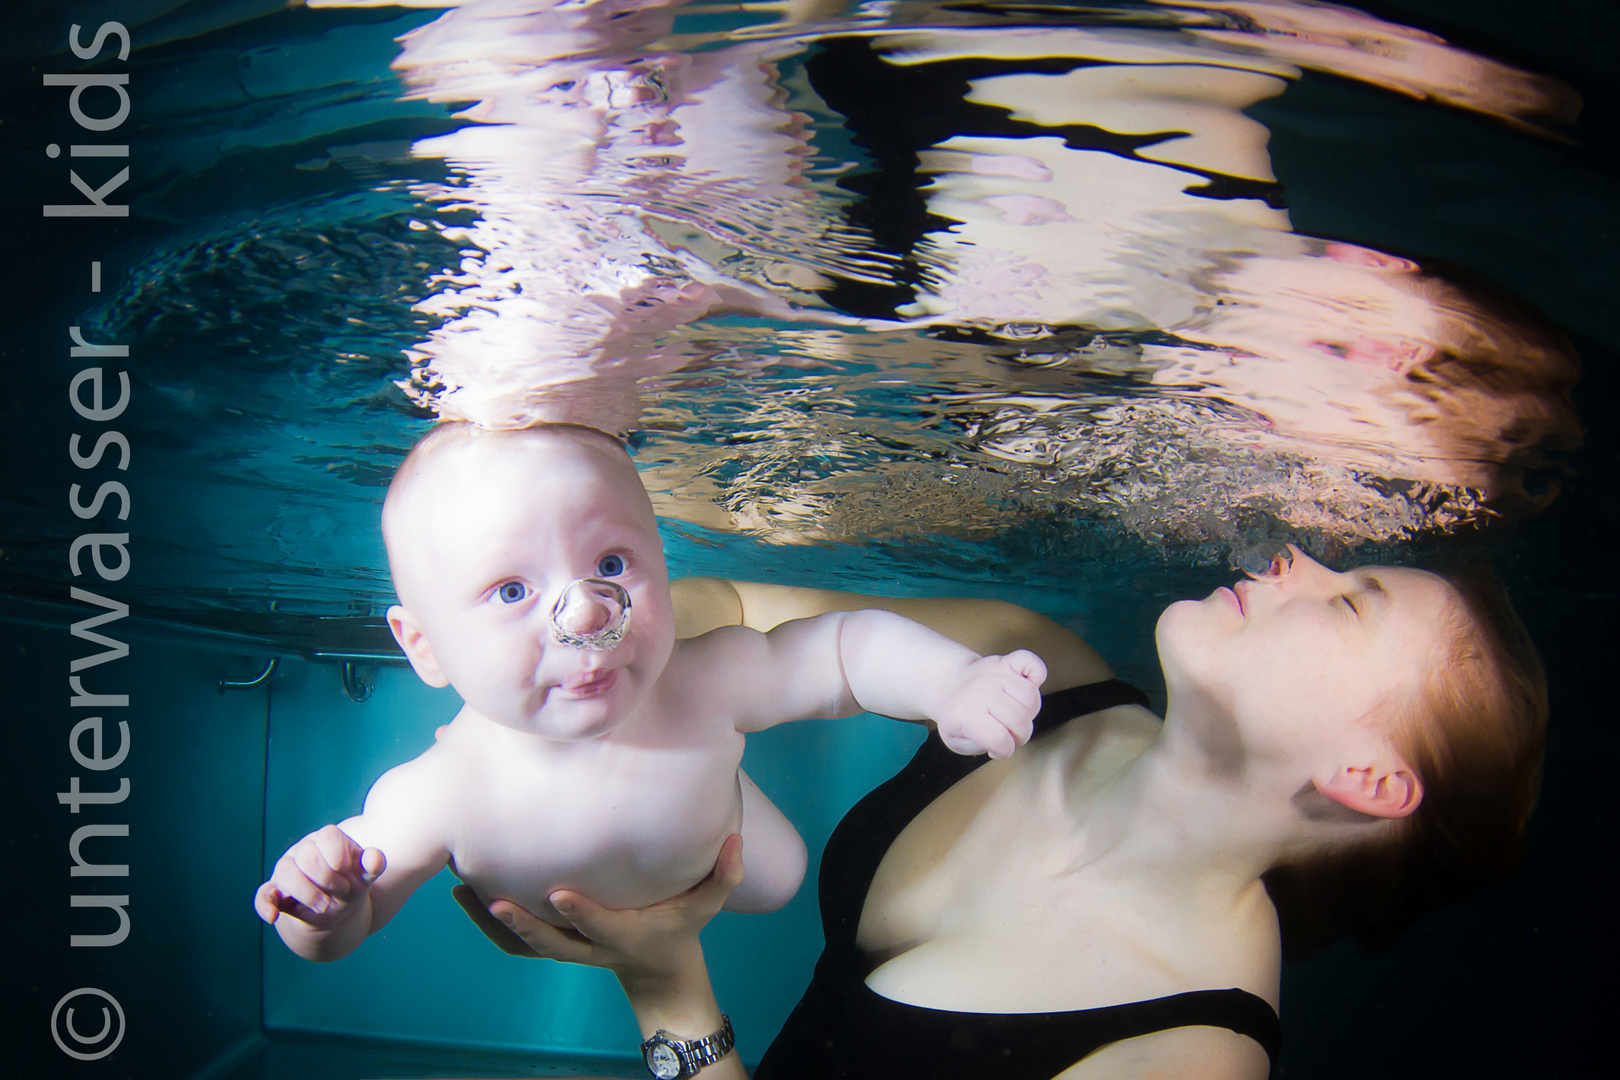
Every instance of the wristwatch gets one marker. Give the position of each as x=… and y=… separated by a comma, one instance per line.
x=669, y=1058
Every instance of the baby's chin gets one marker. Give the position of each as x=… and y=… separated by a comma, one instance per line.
x=571, y=719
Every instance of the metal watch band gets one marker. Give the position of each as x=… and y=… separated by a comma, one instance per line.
x=711, y=1048
x=693, y=1054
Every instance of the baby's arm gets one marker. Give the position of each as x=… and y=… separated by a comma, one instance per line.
x=985, y=626
x=345, y=881
x=845, y=662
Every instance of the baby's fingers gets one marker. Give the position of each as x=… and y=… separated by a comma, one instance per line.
x=311, y=864
x=983, y=734
x=267, y=902
x=1016, y=712
x=997, y=741
x=353, y=865
x=1028, y=665
x=293, y=893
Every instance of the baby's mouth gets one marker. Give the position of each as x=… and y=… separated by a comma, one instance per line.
x=589, y=684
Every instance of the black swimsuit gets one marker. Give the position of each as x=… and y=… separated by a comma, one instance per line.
x=844, y=1030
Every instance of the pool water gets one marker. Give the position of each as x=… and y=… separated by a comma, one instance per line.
x=1079, y=306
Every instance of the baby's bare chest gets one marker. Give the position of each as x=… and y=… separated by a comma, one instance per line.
x=626, y=828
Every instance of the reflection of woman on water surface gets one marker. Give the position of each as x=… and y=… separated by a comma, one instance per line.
x=1340, y=753
x=1028, y=188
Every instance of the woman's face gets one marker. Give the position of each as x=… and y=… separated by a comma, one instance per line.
x=1303, y=658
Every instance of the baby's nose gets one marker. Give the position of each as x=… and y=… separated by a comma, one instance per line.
x=591, y=613
x=583, y=613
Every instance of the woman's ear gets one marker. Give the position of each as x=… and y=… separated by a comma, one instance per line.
x=1356, y=255
x=415, y=643
x=1387, y=788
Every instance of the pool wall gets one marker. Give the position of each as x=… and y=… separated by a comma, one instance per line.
x=221, y=783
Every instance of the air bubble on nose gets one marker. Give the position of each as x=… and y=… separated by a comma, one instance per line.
x=591, y=613
x=1262, y=559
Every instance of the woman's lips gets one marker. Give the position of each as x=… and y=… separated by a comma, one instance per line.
x=589, y=684
x=1234, y=596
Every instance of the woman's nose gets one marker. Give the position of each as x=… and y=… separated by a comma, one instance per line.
x=1307, y=572
x=1279, y=565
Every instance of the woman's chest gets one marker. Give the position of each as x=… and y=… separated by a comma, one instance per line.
x=986, y=902
x=975, y=909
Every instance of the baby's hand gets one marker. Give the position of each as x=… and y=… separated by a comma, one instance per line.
x=321, y=880
x=991, y=707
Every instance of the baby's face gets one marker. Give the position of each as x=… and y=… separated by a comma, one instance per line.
x=495, y=536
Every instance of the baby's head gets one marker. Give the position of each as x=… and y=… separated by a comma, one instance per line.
x=485, y=530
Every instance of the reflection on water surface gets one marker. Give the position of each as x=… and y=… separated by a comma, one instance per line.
x=912, y=270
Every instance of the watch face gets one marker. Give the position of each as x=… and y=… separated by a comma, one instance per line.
x=663, y=1062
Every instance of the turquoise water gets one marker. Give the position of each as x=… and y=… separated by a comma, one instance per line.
x=275, y=281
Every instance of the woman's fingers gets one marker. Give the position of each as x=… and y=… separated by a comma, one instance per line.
x=652, y=939
x=543, y=939
x=519, y=933
x=489, y=925
x=709, y=895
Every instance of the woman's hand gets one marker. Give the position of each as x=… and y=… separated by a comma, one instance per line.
x=653, y=950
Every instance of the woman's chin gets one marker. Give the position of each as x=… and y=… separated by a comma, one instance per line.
x=1174, y=621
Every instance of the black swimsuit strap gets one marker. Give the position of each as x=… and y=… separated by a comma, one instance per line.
x=844, y=1030
x=1047, y=1043
x=1064, y=705
x=860, y=841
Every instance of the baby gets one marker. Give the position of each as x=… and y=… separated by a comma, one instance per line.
x=594, y=751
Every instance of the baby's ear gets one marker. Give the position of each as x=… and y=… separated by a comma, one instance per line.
x=415, y=643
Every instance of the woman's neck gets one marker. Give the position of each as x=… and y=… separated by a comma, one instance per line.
x=1192, y=810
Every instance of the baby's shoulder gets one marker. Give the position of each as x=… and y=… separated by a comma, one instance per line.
x=709, y=682
x=439, y=776
x=706, y=664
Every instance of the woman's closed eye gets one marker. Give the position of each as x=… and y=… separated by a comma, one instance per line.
x=609, y=566
x=1350, y=602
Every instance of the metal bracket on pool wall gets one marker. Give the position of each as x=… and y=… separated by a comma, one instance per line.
x=258, y=680
x=358, y=683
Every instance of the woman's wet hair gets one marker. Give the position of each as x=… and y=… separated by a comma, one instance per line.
x=1497, y=389
x=1475, y=734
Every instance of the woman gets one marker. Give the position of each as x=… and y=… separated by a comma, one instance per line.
x=1340, y=753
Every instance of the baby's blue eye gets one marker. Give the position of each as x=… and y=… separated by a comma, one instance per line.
x=610, y=566
x=512, y=592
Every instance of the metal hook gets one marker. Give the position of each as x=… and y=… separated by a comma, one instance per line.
x=356, y=684
x=258, y=680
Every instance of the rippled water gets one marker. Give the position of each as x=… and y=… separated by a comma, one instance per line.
x=945, y=281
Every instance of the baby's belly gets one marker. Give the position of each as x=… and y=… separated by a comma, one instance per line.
x=623, y=847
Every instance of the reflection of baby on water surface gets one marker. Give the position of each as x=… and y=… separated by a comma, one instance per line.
x=1104, y=180
x=590, y=755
